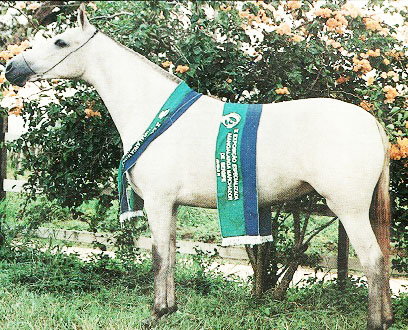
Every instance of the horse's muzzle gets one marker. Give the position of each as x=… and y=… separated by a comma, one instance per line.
x=18, y=72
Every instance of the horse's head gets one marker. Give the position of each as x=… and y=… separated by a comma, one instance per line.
x=62, y=56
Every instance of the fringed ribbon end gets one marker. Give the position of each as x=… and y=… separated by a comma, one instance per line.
x=246, y=240
x=129, y=215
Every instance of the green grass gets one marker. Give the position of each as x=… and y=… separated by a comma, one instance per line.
x=120, y=298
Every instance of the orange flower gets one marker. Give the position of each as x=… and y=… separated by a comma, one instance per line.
x=395, y=54
x=9, y=93
x=90, y=113
x=386, y=61
x=390, y=93
x=323, y=12
x=17, y=109
x=331, y=23
x=393, y=75
x=229, y=80
x=297, y=38
x=33, y=6
x=294, y=5
x=20, y=5
x=223, y=7
x=25, y=44
x=166, y=64
x=282, y=91
x=374, y=25
x=2, y=78
x=395, y=153
x=363, y=65
x=342, y=79
x=282, y=29
x=244, y=14
x=333, y=43
x=337, y=23
x=403, y=145
x=92, y=5
x=6, y=55
x=350, y=10
x=366, y=105
x=373, y=53
x=182, y=68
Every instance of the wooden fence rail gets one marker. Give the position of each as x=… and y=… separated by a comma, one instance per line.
x=183, y=246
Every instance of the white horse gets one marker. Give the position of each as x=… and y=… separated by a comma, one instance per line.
x=332, y=147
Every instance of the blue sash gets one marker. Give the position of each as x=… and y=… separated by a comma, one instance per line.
x=178, y=103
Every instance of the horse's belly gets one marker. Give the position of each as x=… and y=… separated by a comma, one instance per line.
x=267, y=194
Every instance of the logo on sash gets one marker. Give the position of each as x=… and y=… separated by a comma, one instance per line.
x=231, y=120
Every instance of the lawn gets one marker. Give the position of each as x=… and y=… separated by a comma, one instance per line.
x=42, y=290
x=60, y=292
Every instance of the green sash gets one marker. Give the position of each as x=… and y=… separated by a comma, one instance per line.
x=235, y=159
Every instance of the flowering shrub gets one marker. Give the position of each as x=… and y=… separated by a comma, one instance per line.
x=254, y=51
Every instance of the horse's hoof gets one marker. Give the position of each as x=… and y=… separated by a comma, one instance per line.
x=159, y=312
x=149, y=323
x=172, y=309
x=388, y=321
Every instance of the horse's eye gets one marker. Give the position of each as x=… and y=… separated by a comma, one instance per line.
x=60, y=43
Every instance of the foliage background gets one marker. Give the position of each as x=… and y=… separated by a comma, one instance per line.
x=71, y=148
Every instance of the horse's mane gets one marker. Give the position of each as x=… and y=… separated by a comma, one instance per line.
x=150, y=63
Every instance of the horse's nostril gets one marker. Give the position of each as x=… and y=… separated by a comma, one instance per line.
x=9, y=67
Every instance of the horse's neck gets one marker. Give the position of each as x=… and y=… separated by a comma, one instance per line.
x=132, y=90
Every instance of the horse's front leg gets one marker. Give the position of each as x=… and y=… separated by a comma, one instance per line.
x=161, y=216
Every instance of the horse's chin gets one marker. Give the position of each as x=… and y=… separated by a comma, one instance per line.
x=19, y=81
x=22, y=81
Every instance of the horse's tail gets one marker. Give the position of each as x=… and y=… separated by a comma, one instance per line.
x=380, y=210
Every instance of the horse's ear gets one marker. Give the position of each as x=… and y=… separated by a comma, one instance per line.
x=82, y=19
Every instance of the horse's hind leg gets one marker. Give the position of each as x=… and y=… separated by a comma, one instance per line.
x=161, y=216
x=363, y=240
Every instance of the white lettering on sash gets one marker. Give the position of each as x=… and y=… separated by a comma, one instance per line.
x=236, y=179
x=139, y=142
x=231, y=173
x=234, y=148
x=223, y=172
x=228, y=150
